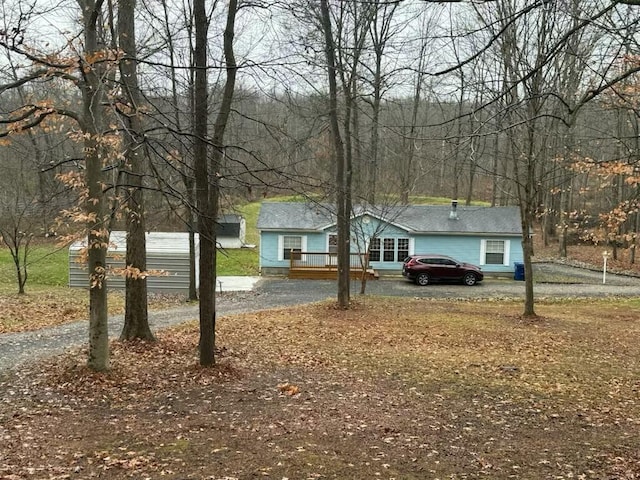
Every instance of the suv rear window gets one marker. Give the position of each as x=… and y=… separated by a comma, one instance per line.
x=429, y=261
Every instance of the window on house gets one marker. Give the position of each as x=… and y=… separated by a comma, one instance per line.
x=388, y=249
x=403, y=249
x=374, y=250
x=333, y=243
x=494, y=252
x=291, y=243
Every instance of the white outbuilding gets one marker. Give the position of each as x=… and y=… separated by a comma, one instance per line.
x=230, y=231
x=167, y=252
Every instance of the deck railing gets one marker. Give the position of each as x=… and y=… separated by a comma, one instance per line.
x=324, y=260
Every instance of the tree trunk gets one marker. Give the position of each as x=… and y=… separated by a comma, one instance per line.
x=193, y=290
x=634, y=241
x=206, y=220
x=207, y=181
x=527, y=250
x=136, y=318
x=222, y=120
x=375, y=129
x=407, y=175
x=98, y=237
x=344, y=234
x=473, y=165
x=186, y=169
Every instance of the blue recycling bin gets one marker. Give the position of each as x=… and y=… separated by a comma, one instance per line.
x=518, y=274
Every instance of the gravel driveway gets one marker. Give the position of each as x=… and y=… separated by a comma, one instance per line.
x=552, y=280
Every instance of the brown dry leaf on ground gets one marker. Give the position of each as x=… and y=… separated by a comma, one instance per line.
x=588, y=255
x=288, y=389
x=39, y=310
x=36, y=310
x=389, y=389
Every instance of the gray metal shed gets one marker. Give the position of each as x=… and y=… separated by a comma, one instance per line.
x=166, y=251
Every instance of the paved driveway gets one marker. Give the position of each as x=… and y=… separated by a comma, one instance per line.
x=551, y=280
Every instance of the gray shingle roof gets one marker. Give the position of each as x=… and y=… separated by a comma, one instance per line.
x=413, y=218
x=294, y=216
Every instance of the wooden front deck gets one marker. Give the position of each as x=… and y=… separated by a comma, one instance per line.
x=323, y=266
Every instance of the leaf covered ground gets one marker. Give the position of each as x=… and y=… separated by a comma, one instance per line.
x=41, y=308
x=394, y=388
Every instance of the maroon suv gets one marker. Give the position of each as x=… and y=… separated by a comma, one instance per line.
x=425, y=269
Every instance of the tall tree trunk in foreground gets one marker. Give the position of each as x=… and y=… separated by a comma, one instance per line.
x=206, y=218
x=98, y=237
x=207, y=180
x=136, y=318
x=208, y=322
x=344, y=234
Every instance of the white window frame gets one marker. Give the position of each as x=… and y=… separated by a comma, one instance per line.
x=398, y=248
x=506, y=255
x=393, y=250
x=332, y=256
x=410, y=246
x=329, y=235
x=379, y=249
x=303, y=245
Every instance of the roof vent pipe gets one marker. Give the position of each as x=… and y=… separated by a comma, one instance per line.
x=453, y=214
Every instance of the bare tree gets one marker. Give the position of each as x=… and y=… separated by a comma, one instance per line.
x=136, y=319
x=17, y=225
x=207, y=176
x=380, y=32
x=343, y=177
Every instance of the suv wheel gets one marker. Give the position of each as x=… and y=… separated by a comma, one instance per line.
x=469, y=279
x=422, y=279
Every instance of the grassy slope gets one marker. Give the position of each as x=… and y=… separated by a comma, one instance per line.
x=47, y=268
x=242, y=261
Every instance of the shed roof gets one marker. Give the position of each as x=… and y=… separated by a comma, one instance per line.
x=156, y=242
x=229, y=218
x=412, y=218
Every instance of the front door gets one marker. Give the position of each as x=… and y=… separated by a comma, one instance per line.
x=332, y=248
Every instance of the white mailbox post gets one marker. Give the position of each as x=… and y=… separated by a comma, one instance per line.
x=605, y=255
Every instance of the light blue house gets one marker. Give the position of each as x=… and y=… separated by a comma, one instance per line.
x=486, y=236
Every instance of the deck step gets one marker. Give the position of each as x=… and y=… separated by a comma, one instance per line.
x=329, y=273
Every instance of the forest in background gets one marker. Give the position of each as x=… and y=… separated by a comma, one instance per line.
x=144, y=115
x=417, y=125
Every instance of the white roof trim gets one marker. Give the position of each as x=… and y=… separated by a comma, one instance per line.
x=368, y=212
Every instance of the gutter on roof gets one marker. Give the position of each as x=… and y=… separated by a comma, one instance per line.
x=471, y=234
x=287, y=229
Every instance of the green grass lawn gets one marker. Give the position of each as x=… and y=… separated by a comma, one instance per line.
x=243, y=261
x=250, y=212
x=47, y=267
